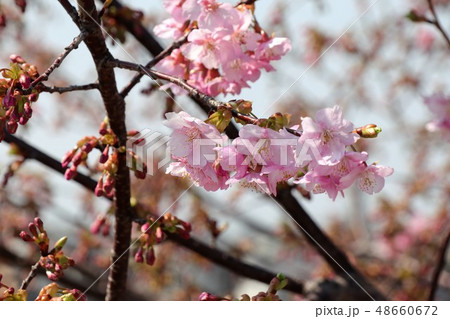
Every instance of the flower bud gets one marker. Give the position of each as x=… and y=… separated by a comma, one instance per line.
x=70, y=173
x=109, y=183
x=87, y=147
x=104, y=157
x=11, y=127
x=16, y=58
x=150, y=256
x=25, y=236
x=39, y=224
x=25, y=81
x=103, y=128
x=51, y=276
x=97, y=224
x=33, y=97
x=9, y=100
x=67, y=158
x=368, y=131
x=60, y=244
x=139, y=256
x=33, y=230
x=99, y=188
x=206, y=296
x=23, y=120
x=159, y=235
x=105, y=230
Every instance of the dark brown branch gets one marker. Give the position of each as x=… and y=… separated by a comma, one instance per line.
x=232, y=263
x=163, y=54
x=337, y=260
x=61, y=90
x=440, y=266
x=436, y=21
x=71, y=11
x=115, y=108
x=72, y=46
x=215, y=255
x=30, y=277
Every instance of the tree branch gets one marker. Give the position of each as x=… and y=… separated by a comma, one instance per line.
x=337, y=260
x=61, y=90
x=163, y=54
x=30, y=277
x=440, y=266
x=72, y=46
x=436, y=21
x=115, y=108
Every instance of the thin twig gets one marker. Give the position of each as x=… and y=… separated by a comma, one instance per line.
x=72, y=46
x=436, y=22
x=165, y=53
x=439, y=268
x=61, y=90
x=31, y=275
x=71, y=11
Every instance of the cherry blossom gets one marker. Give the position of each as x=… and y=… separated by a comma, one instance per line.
x=439, y=105
x=330, y=133
x=224, y=50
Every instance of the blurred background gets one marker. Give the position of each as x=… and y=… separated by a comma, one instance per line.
x=365, y=56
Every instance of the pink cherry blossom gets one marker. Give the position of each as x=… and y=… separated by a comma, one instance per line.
x=330, y=133
x=370, y=179
x=439, y=105
x=192, y=139
x=211, y=176
x=224, y=53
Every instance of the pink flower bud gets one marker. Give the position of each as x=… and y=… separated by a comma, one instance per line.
x=33, y=97
x=77, y=159
x=87, y=147
x=150, y=256
x=103, y=128
x=16, y=58
x=109, y=183
x=105, y=230
x=33, y=230
x=99, y=188
x=27, y=109
x=70, y=173
x=145, y=227
x=139, y=256
x=23, y=120
x=9, y=100
x=51, y=276
x=104, y=157
x=187, y=226
x=25, y=236
x=11, y=127
x=206, y=296
x=97, y=224
x=39, y=224
x=67, y=158
x=25, y=81
x=159, y=235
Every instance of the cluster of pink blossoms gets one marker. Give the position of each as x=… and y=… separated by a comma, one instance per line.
x=316, y=157
x=439, y=104
x=225, y=48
